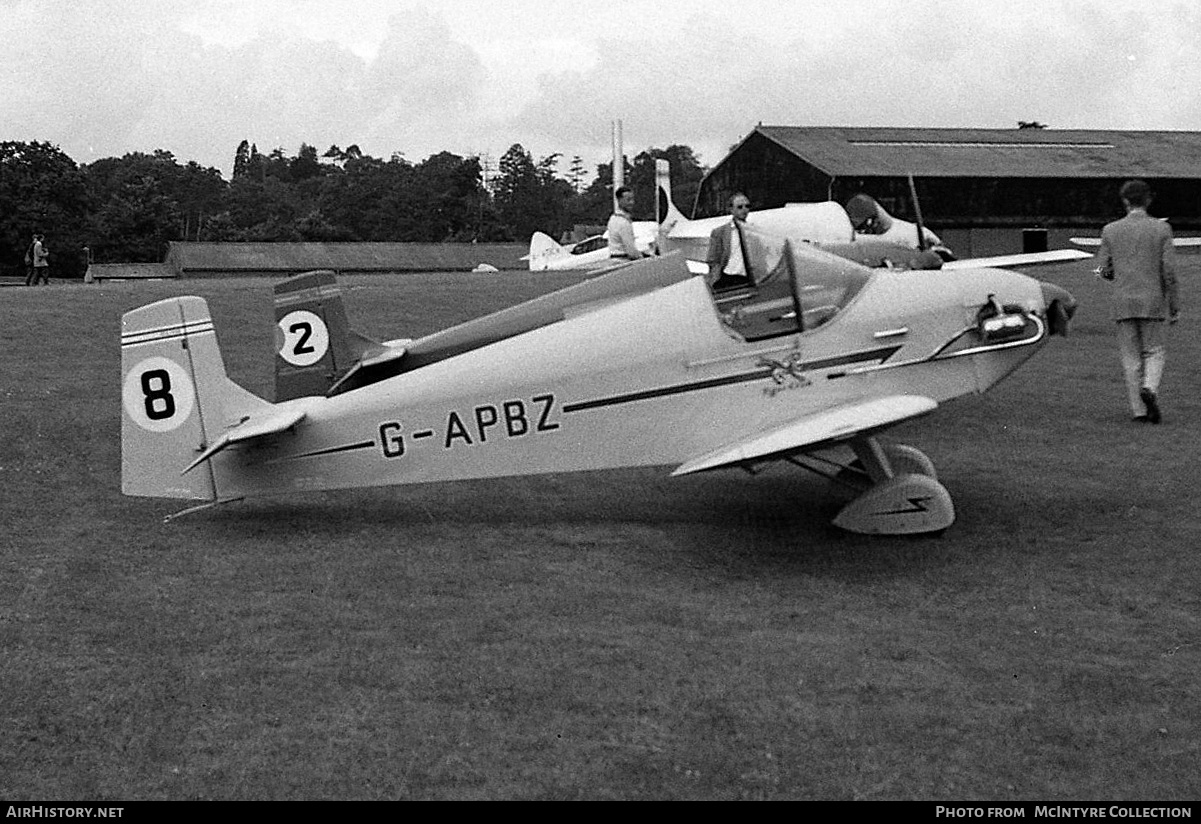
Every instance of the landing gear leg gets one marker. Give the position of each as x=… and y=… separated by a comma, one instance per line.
x=904, y=498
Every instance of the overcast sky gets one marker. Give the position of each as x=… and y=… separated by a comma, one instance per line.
x=105, y=77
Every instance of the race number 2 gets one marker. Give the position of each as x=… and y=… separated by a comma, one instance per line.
x=302, y=337
x=158, y=394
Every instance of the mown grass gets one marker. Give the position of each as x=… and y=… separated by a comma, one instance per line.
x=608, y=635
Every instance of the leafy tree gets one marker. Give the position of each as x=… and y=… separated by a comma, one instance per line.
x=138, y=207
x=42, y=190
x=516, y=189
x=201, y=194
x=451, y=187
x=242, y=160
x=575, y=174
x=372, y=198
x=305, y=165
x=686, y=176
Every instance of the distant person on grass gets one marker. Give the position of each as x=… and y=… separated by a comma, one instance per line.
x=1137, y=255
x=41, y=265
x=29, y=259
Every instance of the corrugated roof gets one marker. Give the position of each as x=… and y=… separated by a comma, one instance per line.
x=113, y=271
x=342, y=257
x=890, y=151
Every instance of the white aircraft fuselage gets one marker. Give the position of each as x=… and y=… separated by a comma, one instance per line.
x=661, y=376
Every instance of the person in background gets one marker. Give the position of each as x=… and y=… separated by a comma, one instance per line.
x=1138, y=256
x=41, y=264
x=29, y=259
x=86, y=255
x=727, y=263
x=621, y=228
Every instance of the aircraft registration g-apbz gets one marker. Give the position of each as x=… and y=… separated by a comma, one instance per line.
x=643, y=365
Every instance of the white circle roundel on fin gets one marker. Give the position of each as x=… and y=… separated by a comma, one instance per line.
x=158, y=394
x=304, y=336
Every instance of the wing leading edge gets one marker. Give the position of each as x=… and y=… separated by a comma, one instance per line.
x=825, y=428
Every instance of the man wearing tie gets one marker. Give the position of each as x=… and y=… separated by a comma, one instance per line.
x=726, y=259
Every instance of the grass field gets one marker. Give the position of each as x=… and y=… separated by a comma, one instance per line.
x=616, y=635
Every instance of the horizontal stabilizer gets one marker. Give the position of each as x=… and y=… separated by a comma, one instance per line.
x=1024, y=259
x=253, y=426
x=820, y=429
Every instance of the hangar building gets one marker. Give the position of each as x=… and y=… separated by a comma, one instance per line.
x=204, y=259
x=984, y=191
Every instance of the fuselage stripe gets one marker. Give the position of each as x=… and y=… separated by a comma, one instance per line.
x=878, y=355
x=334, y=449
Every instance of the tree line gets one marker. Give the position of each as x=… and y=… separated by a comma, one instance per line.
x=127, y=209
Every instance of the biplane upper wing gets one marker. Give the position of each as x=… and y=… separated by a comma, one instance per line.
x=814, y=431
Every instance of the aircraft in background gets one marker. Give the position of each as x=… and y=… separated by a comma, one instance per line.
x=1178, y=242
x=546, y=254
x=862, y=231
x=642, y=365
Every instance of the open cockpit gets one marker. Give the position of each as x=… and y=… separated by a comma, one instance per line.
x=789, y=288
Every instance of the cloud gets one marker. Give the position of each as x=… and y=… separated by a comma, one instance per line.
x=109, y=77
x=933, y=63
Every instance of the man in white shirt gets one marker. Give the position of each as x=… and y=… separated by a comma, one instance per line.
x=621, y=228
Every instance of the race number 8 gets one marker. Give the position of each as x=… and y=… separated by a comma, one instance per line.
x=159, y=403
x=158, y=394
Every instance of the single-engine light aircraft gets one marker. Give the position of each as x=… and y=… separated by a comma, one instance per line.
x=546, y=254
x=643, y=365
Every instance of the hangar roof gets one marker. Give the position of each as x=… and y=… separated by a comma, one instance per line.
x=891, y=152
x=234, y=258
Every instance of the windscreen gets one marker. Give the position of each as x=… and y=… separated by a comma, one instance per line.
x=821, y=283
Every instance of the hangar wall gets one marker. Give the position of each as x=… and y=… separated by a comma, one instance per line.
x=975, y=215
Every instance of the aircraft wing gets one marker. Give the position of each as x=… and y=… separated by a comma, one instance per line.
x=1096, y=241
x=270, y=422
x=1024, y=259
x=819, y=429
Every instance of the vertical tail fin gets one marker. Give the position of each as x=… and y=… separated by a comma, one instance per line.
x=314, y=344
x=175, y=399
x=666, y=213
x=543, y=249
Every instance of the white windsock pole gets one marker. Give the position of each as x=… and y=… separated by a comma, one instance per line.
x=619, y=164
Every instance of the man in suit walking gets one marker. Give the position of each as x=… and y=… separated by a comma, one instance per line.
x=1137, y=255
x=726, y=259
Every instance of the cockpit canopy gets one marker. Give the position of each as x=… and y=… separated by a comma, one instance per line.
x=793, y=287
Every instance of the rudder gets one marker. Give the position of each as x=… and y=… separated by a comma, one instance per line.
x=543, y=249
x=175, y=399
